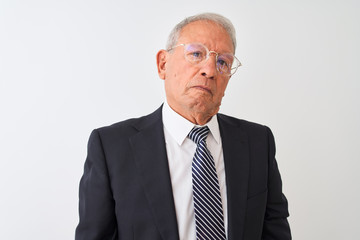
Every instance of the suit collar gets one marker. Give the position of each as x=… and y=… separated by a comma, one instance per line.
x=236, y=158
x=150, y=156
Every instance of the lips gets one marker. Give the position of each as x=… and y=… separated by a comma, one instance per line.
x=203, y=88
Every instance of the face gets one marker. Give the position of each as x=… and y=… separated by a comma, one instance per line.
x=195, y=91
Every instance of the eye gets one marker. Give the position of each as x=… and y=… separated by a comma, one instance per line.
x=195, y=56
x=223, y=66
x=222, y=63
x=195, y=52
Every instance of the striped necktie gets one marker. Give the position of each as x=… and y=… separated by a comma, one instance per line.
x=209, y=219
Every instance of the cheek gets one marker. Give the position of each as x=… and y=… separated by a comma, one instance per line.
x=221, y=89
x=181, y=79
x=175, y=83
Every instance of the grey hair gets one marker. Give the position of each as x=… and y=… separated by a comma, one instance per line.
x=212, y=17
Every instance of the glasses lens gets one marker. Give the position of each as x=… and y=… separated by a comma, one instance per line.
x=224, y=63
x=195, y=53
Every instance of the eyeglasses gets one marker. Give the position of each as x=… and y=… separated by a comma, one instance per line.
x=197, y=53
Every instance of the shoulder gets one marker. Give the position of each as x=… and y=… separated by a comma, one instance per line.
x=252, y=130
x=131, y=126
x=256, y=134
x=241, y=123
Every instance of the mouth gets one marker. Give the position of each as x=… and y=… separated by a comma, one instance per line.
x=203, y=88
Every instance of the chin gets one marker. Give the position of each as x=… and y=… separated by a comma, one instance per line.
x=205, y=108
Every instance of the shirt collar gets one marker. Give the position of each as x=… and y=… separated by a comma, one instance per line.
x=179, y=127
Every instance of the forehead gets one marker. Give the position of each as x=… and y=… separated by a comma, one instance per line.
x=212, y=35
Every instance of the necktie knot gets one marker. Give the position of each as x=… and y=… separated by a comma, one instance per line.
x=198, y=134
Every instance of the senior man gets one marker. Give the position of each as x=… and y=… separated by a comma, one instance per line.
x=185, y=171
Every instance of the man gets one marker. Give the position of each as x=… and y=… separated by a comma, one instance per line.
x=166, y=176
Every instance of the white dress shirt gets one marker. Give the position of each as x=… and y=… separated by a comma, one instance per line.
x=180, y=152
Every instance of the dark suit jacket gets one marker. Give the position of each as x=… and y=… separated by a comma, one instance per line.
x=126, y=193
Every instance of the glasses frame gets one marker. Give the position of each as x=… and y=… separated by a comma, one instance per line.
x=238, y=63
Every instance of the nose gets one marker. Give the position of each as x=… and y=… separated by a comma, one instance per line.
x=208, y=69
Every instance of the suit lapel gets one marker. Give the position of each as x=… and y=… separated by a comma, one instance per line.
x=149, y=150
x=236, y=158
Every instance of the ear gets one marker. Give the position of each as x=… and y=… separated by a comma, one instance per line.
x=161, y=59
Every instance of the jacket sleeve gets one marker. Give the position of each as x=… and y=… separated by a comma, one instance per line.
x=276, y=226
x=96, y=203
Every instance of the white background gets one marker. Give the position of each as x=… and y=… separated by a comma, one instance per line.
x=67, y=67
